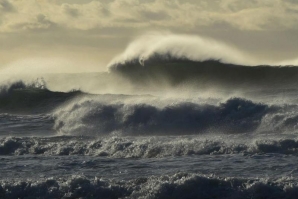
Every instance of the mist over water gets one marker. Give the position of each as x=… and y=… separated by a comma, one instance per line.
x=173, y=116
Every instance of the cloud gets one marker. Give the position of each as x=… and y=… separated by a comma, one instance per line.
x=154, y=16
x=40, y=23
x=189, y=14
x=71, y=11
x=6, y=6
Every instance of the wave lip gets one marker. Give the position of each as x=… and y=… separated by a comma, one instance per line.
x=193, y=48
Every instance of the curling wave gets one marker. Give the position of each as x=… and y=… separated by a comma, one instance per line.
x=234, y=116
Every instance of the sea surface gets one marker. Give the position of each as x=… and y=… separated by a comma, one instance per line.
x=164, y=128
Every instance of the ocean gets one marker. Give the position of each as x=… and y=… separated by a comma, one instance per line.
x=163, y=127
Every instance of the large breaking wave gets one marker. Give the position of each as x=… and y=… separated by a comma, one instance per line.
x=162, y=70
x=234, y=116
x=166, y=61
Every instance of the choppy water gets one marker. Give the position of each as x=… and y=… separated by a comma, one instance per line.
x=183, y=129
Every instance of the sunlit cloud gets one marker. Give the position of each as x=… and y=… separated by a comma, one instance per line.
x=244, y=15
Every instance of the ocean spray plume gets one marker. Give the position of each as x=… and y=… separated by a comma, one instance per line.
x=189, y=47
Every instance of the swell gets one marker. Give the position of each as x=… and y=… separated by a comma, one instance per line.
x=144, y=147
x=179, y=185
x=161, y=69
x=19, y=97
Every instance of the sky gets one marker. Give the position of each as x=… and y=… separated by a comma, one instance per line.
x=84, y=35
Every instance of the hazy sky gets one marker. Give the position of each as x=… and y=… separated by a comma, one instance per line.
x=90, y=33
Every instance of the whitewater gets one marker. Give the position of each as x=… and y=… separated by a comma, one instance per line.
x=174, y=116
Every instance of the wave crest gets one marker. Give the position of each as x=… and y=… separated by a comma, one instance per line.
x=193, y=48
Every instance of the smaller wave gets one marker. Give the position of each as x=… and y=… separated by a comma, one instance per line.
x=153, y=147
x=34, y=97
x=7, y=88
x=179, y=185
